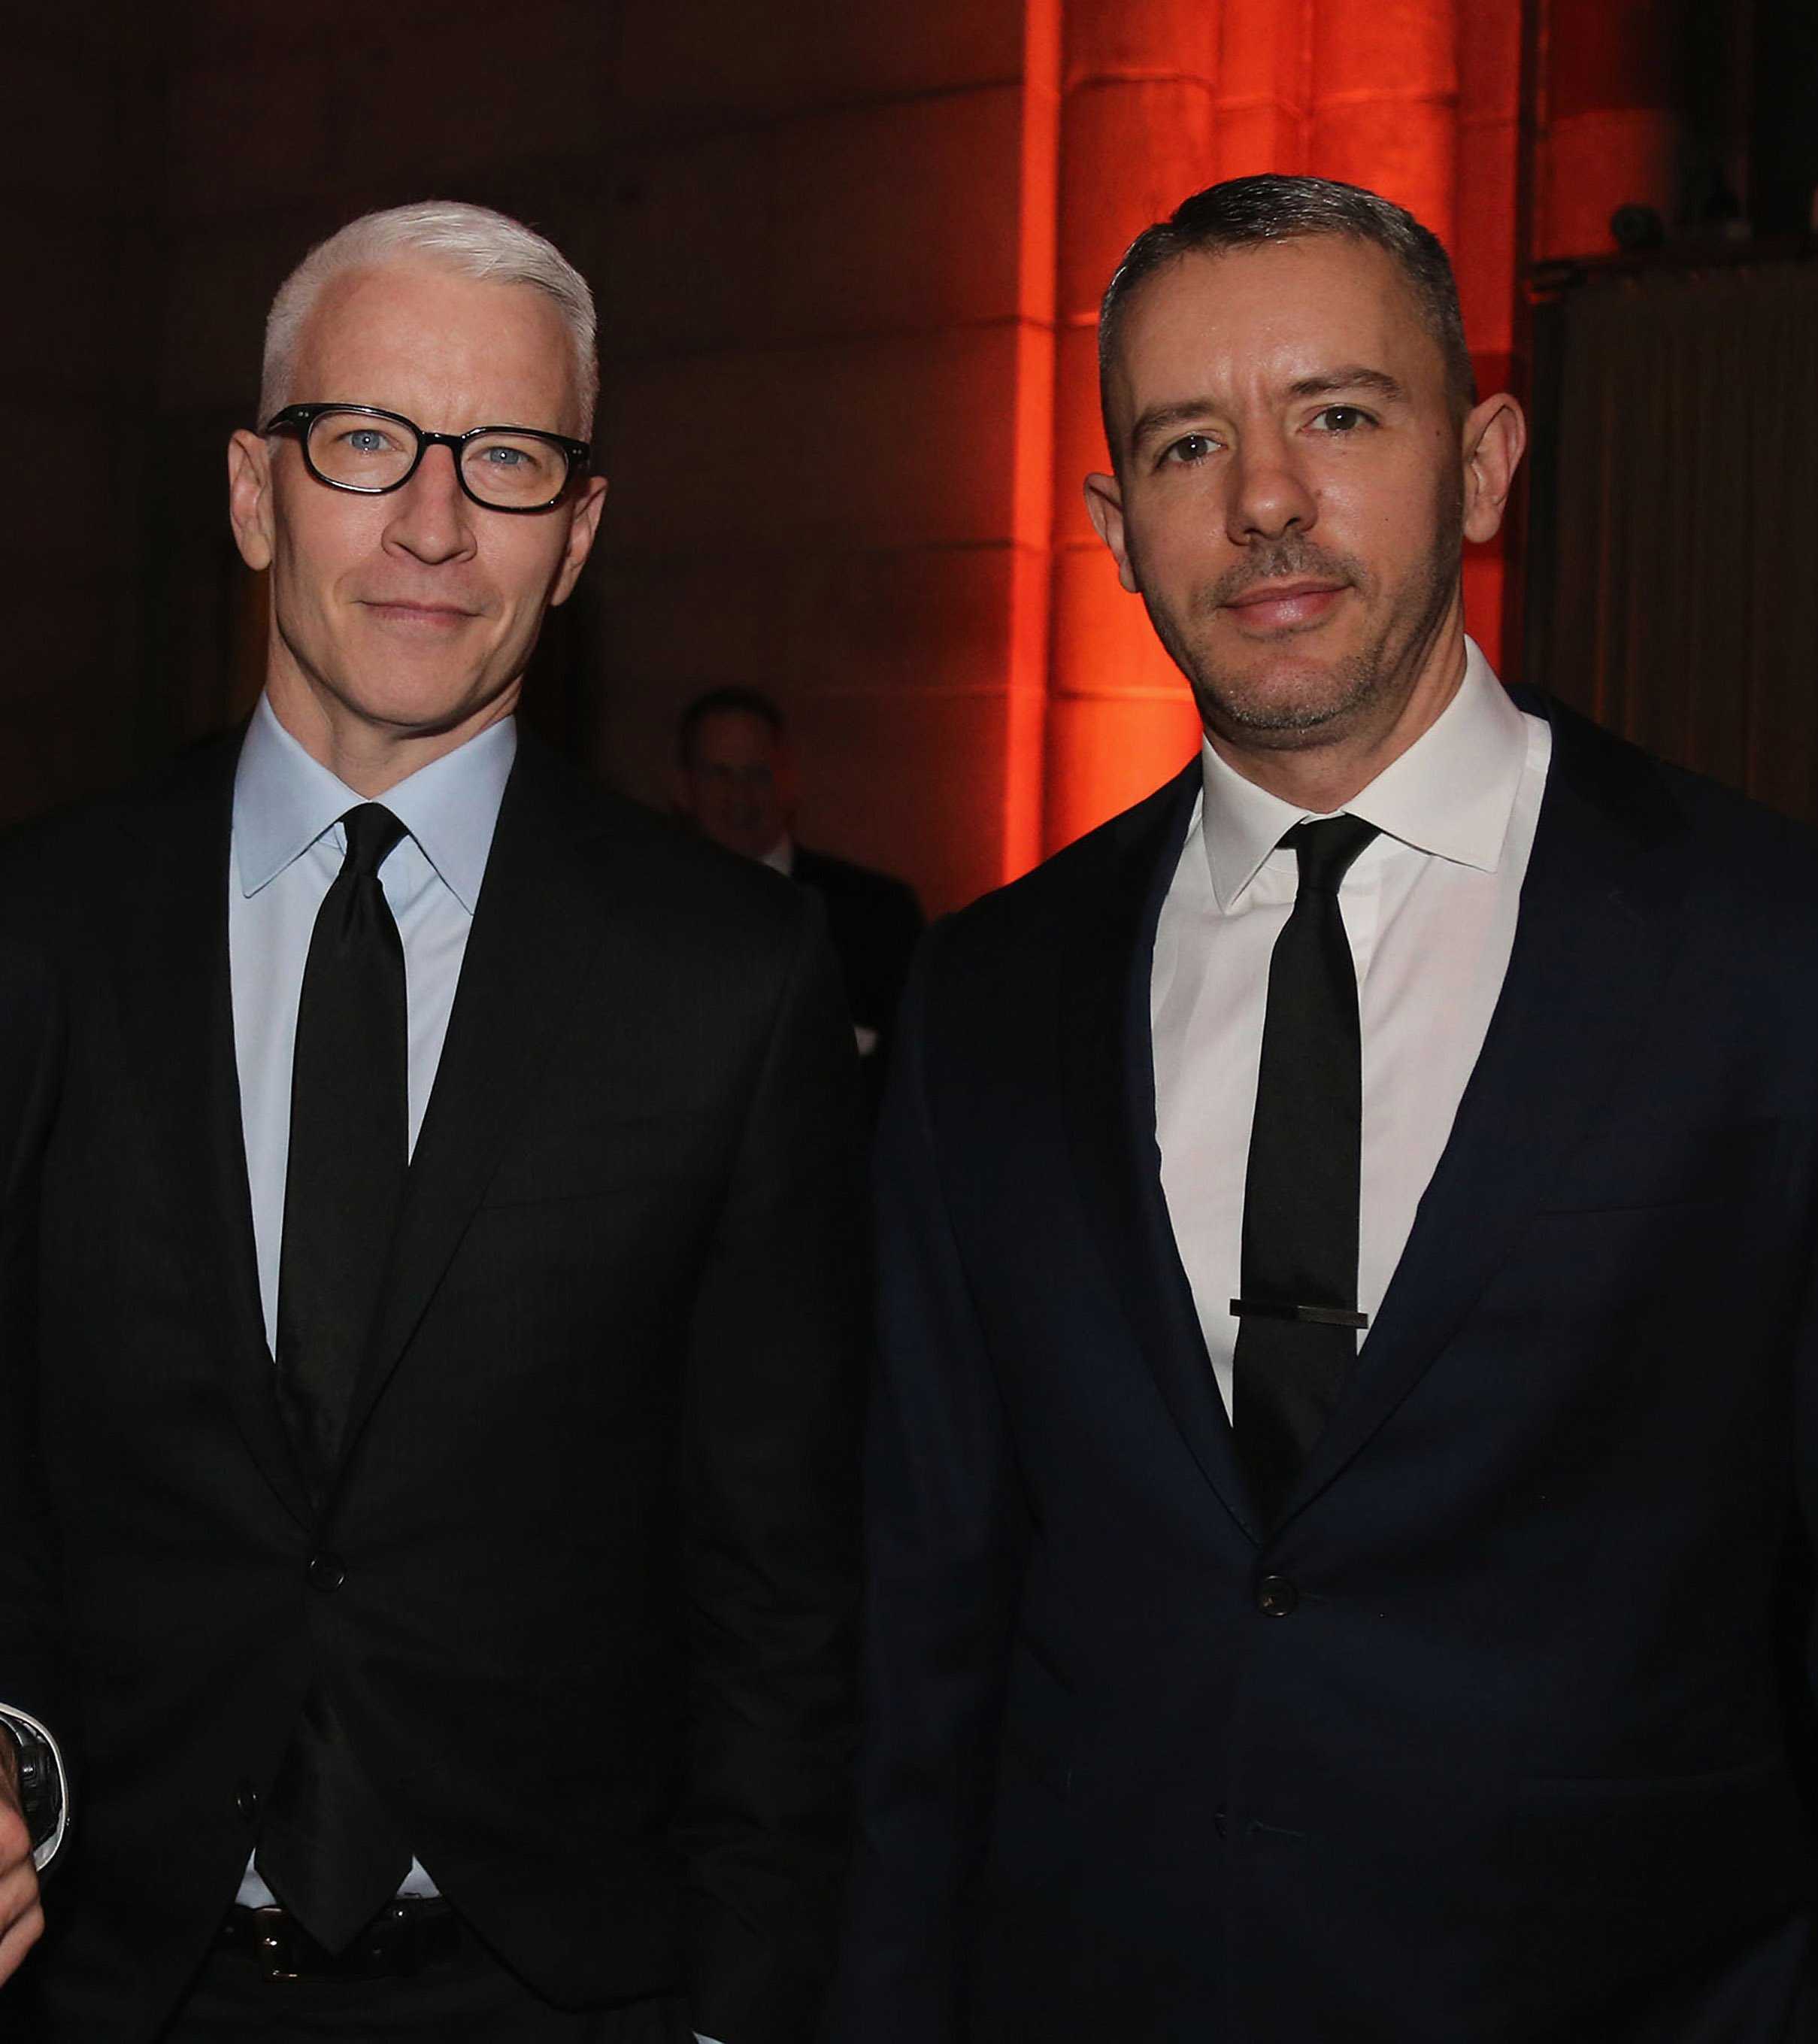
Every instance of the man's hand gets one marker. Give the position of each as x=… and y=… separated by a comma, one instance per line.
x=21, y=1915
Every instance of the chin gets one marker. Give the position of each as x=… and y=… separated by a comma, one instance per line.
x=1296, y=707
x=423, y=701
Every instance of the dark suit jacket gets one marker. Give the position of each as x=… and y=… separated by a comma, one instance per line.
x=874, y=920
x=592, y=1639
x=1498, y=1757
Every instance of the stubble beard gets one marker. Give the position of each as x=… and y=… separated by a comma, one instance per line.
x=1263, y=707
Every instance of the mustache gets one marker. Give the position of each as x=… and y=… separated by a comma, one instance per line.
x=1280, y=560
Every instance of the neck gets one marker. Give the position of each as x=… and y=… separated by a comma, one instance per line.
x=367, y=755
x=1323, y=775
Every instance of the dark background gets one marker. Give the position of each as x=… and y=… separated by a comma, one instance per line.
x=845, y=256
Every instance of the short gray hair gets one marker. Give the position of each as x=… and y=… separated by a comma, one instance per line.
x=472, y=239
x=1243, y=212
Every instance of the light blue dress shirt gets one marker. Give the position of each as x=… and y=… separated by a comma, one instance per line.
x=288, y=846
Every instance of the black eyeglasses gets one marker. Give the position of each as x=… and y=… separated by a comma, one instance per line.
x=358, y=447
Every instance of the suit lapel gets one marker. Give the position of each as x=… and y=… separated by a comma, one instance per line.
x=1109, y=1077
x=176, y=1008
x=536, y=927
x=1595, y=936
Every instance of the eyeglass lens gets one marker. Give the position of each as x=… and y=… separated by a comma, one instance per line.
x=359, y=452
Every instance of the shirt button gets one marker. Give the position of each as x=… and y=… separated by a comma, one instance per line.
x=325, y=1572
x=246, y=1801
x=1276, y=1596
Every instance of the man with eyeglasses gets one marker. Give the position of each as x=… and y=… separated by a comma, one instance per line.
x=428, y=1314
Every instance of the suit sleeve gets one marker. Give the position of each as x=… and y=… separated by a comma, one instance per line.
x=771, y=1544
x=1797, y=1605
x=901, y=925
x=33, y=1694
x=946, y=1537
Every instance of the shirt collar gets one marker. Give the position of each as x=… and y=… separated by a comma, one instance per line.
x=1450, y=793
x=284, y=800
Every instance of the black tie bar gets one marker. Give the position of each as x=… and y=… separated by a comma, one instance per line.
x=1317, y=1316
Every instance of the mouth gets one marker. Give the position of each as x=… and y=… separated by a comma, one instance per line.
x=427, y=617
x=1284, y=606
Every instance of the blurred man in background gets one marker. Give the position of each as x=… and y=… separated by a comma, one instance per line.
x=736, y=778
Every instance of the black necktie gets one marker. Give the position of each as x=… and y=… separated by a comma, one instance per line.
x=326, y=1847
x=349, y=1142
x=1297, y=1331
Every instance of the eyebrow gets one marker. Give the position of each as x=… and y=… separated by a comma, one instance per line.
x=1351, y=376
x=1161, y=418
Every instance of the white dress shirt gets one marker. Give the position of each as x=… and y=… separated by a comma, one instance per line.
x=288, y=846
x=1430, y=907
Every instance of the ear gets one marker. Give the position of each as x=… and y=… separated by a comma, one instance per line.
x=583, y=528
x=1495, y=434
x=1105, y=507
x=249, y=498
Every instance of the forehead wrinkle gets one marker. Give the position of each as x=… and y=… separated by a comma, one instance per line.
x=1379, y=304
x=1351, y=377
x=439, y=349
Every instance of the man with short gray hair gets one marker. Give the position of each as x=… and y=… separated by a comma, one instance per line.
x=428, y=1310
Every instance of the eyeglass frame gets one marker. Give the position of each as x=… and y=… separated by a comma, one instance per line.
x=303, y=418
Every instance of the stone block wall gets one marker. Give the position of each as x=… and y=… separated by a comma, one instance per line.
x=848, y=259
x=76, y=501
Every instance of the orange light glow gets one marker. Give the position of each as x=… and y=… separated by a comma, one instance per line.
x=1131, y=104
x=1160, y=98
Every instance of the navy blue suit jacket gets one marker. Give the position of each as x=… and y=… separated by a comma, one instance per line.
x=1502, y=1757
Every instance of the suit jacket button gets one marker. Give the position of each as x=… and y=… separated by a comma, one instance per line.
x=1276, y=1596
x=325, y=1572
x=246, y=1801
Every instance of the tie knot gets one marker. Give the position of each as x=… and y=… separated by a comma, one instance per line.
x=1326, y=849
x=372, y=830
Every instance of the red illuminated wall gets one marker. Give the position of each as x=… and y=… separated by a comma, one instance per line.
x=1422, y=100
x=1419, y=99
x=848, y=433
x=848, y=258
x=1607, y=132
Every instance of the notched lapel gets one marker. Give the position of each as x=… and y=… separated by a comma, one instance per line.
x=1596, y=934
x=536, y=928
x=176, y=1015
x=1110, y=1084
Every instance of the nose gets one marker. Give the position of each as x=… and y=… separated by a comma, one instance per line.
x=431, y=518
x=1269, y=495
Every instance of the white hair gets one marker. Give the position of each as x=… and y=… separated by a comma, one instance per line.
x=472, y=239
